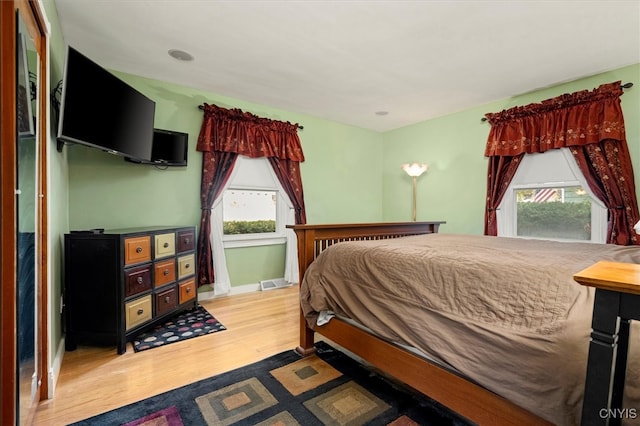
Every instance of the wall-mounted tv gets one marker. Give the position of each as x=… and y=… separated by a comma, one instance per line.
x=100, y=110
x=169, y=149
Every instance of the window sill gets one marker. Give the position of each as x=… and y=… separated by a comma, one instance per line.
x=253, y=241
x=559, y=240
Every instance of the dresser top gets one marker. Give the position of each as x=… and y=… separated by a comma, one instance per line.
x=135, y=230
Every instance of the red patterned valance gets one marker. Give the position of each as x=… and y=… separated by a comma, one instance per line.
x=232, y=130
x=579, y=118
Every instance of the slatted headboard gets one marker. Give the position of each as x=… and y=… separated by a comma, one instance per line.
x=313, y=239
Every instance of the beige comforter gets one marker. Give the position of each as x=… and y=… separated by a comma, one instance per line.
x=503, y=312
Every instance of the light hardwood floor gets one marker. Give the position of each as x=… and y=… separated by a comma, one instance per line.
x=94, y=380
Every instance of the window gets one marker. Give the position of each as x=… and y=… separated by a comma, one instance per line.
x=254, y=208
x=549, y=198
x=559, y=212
x=249, y=211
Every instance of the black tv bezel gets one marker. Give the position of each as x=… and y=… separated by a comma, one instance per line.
x=63, y=138
x=160, y=162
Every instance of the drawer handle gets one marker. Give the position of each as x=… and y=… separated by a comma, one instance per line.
x=187, y=240
x=138, y=249
x=166, y=245
x=167, y=300
x=166, y=272
x=140, y=311
x=187, y=266
x=140, y=280
x=188, y=289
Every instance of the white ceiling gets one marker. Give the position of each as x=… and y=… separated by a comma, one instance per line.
x=346, y=60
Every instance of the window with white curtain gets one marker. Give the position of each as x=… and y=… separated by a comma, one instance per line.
x=254, y=207
x=549, y=198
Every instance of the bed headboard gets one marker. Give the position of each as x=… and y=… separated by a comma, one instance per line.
x=313, y=239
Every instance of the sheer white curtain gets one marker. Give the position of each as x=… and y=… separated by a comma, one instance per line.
x=291, y=273
x=245, y=170
x=222, y=282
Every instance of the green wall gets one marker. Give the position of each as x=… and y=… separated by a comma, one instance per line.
x=341, y=176
x=252, y=264
x=454, y=188
x=58, y=190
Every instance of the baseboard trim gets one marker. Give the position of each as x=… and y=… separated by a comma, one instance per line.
x=247, y=288
x=54, y=370
x=233, y=290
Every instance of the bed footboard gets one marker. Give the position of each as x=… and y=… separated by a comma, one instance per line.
x=313, y=239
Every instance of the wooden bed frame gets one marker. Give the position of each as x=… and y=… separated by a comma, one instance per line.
x=451, y=390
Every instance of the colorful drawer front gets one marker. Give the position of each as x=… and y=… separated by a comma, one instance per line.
x=165, y=245
x=164, y=272
x=138, y=311
x=137, y=280
x=186, y=266
x=187, y=290
x=137, y=249
x=166, y=300
x=186, y=241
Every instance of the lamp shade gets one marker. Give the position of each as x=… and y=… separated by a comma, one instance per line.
x=415, y=169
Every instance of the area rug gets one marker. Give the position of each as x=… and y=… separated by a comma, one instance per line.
x=187, y=325
x=328, y=388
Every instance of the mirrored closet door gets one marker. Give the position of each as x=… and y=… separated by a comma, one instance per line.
x=27, y=59
x=23, y=221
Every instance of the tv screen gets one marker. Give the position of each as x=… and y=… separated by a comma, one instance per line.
x=169, y=148
x=100, y=110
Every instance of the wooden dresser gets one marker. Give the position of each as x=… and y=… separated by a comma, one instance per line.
x=119, y=283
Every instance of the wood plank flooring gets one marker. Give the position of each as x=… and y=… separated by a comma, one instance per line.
x=94, y=380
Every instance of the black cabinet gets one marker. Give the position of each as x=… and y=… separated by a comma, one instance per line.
x=120, y=282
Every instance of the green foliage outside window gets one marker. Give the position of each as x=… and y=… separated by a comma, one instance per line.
x=555, y=220
x=234, y=227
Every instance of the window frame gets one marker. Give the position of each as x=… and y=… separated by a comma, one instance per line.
x=507, y=212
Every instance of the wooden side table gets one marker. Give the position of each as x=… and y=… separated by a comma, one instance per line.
x=617, y=302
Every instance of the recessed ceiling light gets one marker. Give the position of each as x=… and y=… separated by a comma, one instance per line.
x=382, y=112
x=180, y=55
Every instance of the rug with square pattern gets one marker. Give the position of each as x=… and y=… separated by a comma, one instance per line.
x=328, y=388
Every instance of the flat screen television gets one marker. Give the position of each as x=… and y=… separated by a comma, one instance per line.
x=100, y=110
x=169, y=148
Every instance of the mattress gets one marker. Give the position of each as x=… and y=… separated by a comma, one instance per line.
x=503, y=312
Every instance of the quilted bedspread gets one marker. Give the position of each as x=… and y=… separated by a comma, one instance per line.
x=503, y=312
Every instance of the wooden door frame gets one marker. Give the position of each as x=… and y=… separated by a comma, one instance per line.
x=34, y=18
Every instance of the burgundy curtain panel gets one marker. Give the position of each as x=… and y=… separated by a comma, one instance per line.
x=501, y=172
x=591, y=125
x=227, y=133
x=288, y=173
x=216, y=170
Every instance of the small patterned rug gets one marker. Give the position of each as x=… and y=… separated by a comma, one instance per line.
x=328, y=388
x=187, y=325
